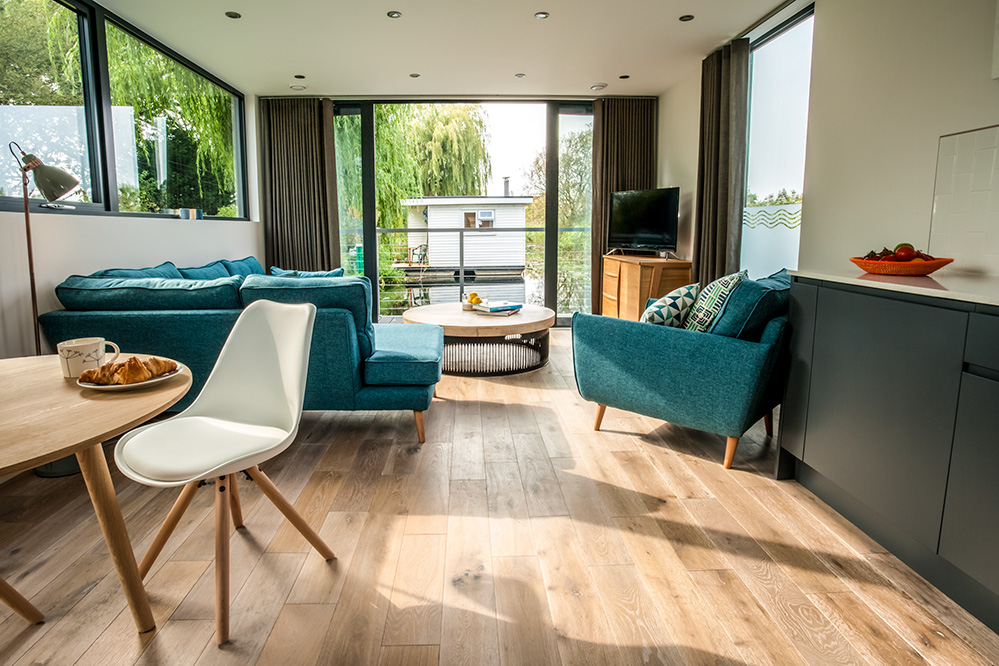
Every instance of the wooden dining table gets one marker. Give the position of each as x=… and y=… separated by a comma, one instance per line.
x=44, y=417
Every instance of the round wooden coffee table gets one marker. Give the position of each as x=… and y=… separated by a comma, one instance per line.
x=478, y=345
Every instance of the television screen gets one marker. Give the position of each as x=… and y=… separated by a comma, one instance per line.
x=644, y=219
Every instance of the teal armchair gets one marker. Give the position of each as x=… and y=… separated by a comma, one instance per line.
x=706, y=381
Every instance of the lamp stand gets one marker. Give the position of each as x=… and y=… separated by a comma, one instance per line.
x=31, y=264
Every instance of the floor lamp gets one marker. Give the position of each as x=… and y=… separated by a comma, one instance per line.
x=53, y=183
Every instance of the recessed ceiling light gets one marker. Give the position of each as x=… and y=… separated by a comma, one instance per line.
x=598, y=86
x=394, y=14
x=541, y=15
x=687, y=17
x=520, y=76
x=414, y=75
x=300, y=76
x=625, y=76
x=297, y=86
x=234, y=15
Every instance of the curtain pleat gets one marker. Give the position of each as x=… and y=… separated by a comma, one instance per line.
x=298, y=182
x=721, y=164
x=624, y=158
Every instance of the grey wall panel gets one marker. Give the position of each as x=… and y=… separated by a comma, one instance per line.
x=794, y=409
x=883, y=401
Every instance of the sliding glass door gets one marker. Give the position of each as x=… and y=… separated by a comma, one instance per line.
x=450, y=198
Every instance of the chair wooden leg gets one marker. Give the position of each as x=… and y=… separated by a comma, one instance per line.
x=19, y=604
x=237, y=511
x=730, y=451
x=768, y=423
x=169, y=525
x=420, y=433
x=285, y=507
x=600, y=416
x=435, y=391
x=222, y=560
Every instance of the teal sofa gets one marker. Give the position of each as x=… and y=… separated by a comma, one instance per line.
x=354, y=363
x=720, y=381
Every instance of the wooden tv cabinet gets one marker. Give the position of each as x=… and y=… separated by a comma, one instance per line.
x=630, y=280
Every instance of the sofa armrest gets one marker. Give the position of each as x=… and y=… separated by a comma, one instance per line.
x=334, y=362
x=694, y=379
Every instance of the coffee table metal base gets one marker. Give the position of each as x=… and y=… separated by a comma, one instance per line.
x=492, y=357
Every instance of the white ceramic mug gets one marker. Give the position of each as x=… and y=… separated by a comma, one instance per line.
x=81, y=354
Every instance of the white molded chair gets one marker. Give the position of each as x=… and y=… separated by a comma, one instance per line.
x=247, y=412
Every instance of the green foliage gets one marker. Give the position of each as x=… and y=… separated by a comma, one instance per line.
x=40, y=54
x=451, y=149
x=782, y=198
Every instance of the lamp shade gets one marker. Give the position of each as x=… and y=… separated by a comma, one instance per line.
x=52, y=182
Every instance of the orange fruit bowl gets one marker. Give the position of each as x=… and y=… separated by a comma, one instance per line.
x=901, y=267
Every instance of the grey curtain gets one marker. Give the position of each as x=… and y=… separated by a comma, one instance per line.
x=624, y=158
x=298, y=184
x=721, y=164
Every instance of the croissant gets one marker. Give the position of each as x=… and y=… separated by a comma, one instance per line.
x=131, y=372
x=159, y=366
x=102, y=375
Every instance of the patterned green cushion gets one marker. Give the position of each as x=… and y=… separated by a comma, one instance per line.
x=281, y=272
x=211, y=271
x=711, y=300
x=672, y=309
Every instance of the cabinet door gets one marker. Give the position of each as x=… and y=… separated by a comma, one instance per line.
x=610, y=306
x=882, y=404
x=969, y=538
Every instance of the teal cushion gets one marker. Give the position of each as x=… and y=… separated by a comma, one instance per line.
x=281, y=272
x=405, y=354
x=164, y=270
x=751, y=305
x=348, y=293
x=672, y=309
x=248, y=266
x=711, y=300
x=79, y=292
x=216, y=269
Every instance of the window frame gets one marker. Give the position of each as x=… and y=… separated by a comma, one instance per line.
x=97, y=109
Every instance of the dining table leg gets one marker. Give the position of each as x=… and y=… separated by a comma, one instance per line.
x=98, y=479
x=18, y=603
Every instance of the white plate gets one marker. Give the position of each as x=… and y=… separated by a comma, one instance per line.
x=136, y=385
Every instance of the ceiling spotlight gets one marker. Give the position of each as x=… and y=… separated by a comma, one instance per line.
x=297, y=86
x=414, y=75
x=519, y=76
x=234, y=15
x=625, y=76
x=598, y=86
x=687, y=17
x=394, y=14
x=541, y=15
x=300, y=76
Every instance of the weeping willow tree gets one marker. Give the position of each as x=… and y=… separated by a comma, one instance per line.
x=40, y=57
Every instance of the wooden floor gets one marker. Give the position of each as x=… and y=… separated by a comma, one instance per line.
x=515, y=535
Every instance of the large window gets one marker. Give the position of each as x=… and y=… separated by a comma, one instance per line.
x=460, y=202
x=174, y=130
x=165, y=136
x=41, y=90
x=778, y=118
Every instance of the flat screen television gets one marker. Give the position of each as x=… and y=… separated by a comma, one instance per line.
x=644, y=219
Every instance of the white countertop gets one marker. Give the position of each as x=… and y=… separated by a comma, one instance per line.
x=941, y=284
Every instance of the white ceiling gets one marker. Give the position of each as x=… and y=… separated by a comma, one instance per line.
x=459, y=47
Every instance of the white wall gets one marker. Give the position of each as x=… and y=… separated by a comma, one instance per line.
x=481, y=248
x=679, y=126
x=888, y=79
